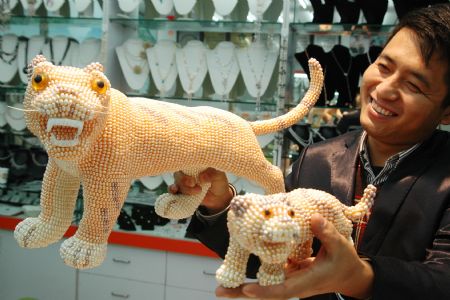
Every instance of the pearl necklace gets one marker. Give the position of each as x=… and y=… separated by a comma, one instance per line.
x=191, y=74
x=224, y=68
x=258, y=81
x=163, y=77
x=136, y=62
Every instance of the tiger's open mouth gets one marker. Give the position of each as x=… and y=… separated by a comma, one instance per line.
x=64, y=132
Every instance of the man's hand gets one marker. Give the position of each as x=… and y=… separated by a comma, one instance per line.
x=336, y=268
x=218, y=196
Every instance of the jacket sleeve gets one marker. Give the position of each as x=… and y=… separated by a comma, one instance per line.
x=428, y=279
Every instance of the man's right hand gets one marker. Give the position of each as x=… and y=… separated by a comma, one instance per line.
x=218, y=196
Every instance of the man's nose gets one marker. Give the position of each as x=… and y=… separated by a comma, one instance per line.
x=388, y=89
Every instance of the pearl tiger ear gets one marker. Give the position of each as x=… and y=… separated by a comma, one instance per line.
x=38, y=59
x=94, y=66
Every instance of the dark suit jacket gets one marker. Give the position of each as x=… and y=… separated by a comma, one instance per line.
x=408, y=234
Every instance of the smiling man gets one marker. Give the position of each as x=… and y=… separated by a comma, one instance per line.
x=402, y=250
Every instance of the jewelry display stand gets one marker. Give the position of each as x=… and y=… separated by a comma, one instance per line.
x=192, y=67
x=30, y=7
x=184, y=7
x=87, y=8
x=223, y=68
x=28, y=49
x=63, y=51
x=163, y=7
x=133, y=62
x=8, y=57
x=88, y=52
x=129, y=8
x=8, y=5
x=3, y=108
x=257, y=63
x=15, y=117
x=162, y=61
x=224, y=7
x=53, y=7
x=258, y=7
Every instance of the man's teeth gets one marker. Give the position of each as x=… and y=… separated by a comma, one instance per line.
x=381, y=110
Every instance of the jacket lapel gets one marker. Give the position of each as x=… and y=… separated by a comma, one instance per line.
x=342, y=176
x=392, y=194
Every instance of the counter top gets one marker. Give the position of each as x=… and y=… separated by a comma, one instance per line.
x=133, y=239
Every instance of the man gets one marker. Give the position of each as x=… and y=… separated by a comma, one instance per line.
x=404, y=252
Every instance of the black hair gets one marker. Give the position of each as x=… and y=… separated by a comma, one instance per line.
x=431, y=26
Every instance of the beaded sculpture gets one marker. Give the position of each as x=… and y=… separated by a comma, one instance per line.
x=98, y=137
x=277, y=228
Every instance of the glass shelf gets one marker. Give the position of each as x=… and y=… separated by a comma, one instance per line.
x=340, y=29
x=201, y=25
x=37, y=20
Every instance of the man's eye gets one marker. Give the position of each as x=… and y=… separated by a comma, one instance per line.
x=382, y=68
x=413, y=88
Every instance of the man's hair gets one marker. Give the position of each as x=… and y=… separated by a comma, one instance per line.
x=432, y=28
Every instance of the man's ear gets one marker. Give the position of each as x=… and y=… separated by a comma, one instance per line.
x=446, y=116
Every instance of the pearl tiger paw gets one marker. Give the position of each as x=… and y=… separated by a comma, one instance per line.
x=265, y=279
x=177, y=206
x=82, y=255
x=229, y=279
x=35, y=233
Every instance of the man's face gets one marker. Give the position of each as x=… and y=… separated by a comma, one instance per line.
x=401, y=98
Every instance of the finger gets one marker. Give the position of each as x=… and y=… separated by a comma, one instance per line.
x=208, y=175
x=324, y=231
x=173, y=189
x=254, y=290
x=229, y=292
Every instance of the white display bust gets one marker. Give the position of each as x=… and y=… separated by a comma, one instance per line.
x=192, y=67
x=9, y=5
x=224, y=7
x=27, y=51
x=258, y=7
x=184, y=7
x=88, y=52
x=257, y=63
x=163, y=7
x=30, y=6
x=223, y=68
x=83, y=8
x=53, y=7
x=133, y=62
x=15, y=117
x=8, y=57
x=162, y=61
x=130, y=8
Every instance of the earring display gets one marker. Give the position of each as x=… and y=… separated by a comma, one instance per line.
x=192, y=67
x=224, y=7
x=162, y=61
x=29, y=48
x=257, y=63
x=133, y=62
x=223, y=68
x=184, y=7
x=163, y=7
x=8, y=57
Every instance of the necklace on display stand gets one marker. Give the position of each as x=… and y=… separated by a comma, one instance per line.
x=223, y=68
x=133, y=62
x=8, y=57
x=257, y=63
x=345, y=73
x=163, y=7
x=184, y=7
x=6, y=6
x=84, y=8
x=192, y=68
x=60, y=47
x=29, y=48
x=30, y=6
x=224, y=7
x=53, y=7
x=161, y=59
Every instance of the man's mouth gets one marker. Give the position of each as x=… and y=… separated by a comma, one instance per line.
x=380, y=110
x=64, y=132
